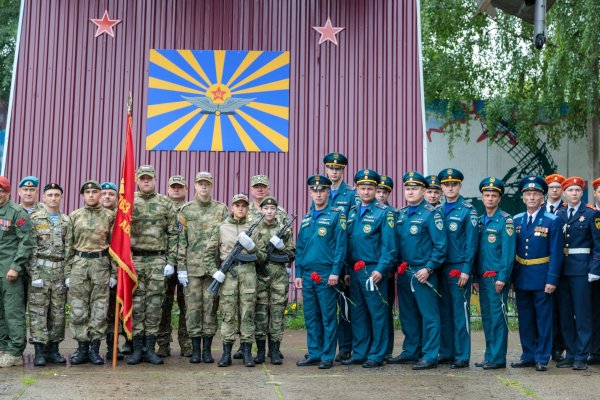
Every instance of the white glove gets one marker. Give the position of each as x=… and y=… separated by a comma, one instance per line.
x=112, y=282
x=169, y=270
x=591, y=278
x=219, y=276
x=277, y=242
x=67, y=282
x=182, y=276
x=39, y=283
x=245, y=241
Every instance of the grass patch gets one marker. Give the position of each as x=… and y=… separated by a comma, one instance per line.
x=516, y=385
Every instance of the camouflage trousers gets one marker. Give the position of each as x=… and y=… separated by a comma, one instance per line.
x=148, y=297
x=201, y=307
x=12, y=316
x=110, y=316
x=165, y=328
x=238, y=295
x=271, y=300
x=88, y=297
x=47, y=305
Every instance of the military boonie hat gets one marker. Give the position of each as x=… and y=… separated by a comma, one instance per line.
x=53, y=186
x=414, y=178
x=318, y=182
x=29, y=181
x=335, y=160
x=385, y=182
x=240, y=197
x=260, y=180
x=492, y=184
x=367, y=177
x=269, y=201
x=109, y=186
x=450, y=175
x=573, y=181
x=533, y=183
x=177, y=180
x=433, y=182
x=555, y=178
x=204, y=176
x=91, y=184
x=146, y=170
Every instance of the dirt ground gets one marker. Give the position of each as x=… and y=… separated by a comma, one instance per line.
x=180, y=379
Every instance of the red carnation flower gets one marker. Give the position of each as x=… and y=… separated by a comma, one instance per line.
x=489, y=274
x=315, y=277
x=359, y=265
x=455, y=273
x=402, y=268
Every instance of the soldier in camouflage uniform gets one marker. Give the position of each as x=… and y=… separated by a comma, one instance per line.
x=16, y=245
x=237, y=294
x=273, y=282
x=47, y=290
x=200, y=217
x=177, y=191
x=88, y=273
x=154, y=247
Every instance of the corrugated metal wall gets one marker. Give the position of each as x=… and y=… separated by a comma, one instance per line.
x=361, y=98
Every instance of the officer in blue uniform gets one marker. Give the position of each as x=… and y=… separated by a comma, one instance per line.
x=382, y=194
x=536, y=272
x=581, y=267
x=421, y=243
x=495, y=258
x=433, y=191
x=371, y=241
x=320, y=255
x=462, y=231
x=341, y=196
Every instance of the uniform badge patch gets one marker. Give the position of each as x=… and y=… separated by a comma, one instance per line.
x=414, y=230
x=453, y=226
x=367, y=228
x=343, y=221
x=491, y=238
x=390, y=220
x=510, y=229
x=322, y=231
x=439, y=223
x=597, y=223
x=474, y=220
x=582, y=218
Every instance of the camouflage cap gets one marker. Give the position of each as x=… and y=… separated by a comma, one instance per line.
x=91, y=184
x=177, y=180
x=146, y=170
x=260, y=180
x=204, y=176
x=240, y=197
x=269, y=201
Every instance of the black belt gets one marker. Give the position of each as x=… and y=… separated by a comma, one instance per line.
x=92, y=254
x=51, y=259
x=147, y=253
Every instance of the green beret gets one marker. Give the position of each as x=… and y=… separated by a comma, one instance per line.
x=91, y=184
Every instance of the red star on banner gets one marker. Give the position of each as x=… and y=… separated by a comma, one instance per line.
x=328, y=32
x=105, y=25
x=218, y=94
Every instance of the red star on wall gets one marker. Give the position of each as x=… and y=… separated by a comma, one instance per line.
x=328, y=32
x=105, y=25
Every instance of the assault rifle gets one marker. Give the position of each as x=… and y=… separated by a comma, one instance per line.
x=271, y=256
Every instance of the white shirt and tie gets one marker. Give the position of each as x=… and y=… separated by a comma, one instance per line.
x=552, y=207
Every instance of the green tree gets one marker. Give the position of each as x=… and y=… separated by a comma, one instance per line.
x=468, y=57
x=9, y=21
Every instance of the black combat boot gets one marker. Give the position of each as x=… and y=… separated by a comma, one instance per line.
x=94, y=354
x=260, y=353
x=206, y=354
x=53, y=354
x=109, y=347
x=196, y=355
x=81, y=354
x=128, y=346
x=270, y=349
x=39, y=360
x=136, y=355
x=225, y=360
x=150, y=355
x=275, y=353
x=247, y=352
x=239, y=354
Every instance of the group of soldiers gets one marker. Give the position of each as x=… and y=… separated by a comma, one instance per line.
x=355, y=256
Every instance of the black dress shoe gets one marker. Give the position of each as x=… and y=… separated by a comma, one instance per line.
x=444, y=361
x=456, y=364
x=522, y=364
x=593, y=360
x=342, y=355
x=372, y=364
x=540, y=367
x=350, y=361
x=557, y=355
x=325, y=364
x=489, y=365
x=566, y=363
x=388, y=357
x=307, y=362
x=424, y=364
x=579, y=365
x=401, y=360
x=480, y=364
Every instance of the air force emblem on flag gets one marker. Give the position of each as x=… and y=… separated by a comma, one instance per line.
x=218, y=100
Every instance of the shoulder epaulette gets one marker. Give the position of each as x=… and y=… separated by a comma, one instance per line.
x=381, y=205
x=429, y=207
x=504, y=214
x=550, y=215
x=564, y=203
x=590, y=206
x=467, y=204
x=519, y=215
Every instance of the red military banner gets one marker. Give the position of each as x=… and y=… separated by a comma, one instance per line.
x=120, y=245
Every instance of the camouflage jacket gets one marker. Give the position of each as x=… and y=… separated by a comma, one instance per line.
x=50, y=240
x=89, y=229
x=254, y=212
x=35, y=208
x=223, y=239
x=16, y=238
x=266, y=232
x=198, y=220
x=154, y=226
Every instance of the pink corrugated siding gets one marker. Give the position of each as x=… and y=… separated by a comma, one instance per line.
x=361, y=98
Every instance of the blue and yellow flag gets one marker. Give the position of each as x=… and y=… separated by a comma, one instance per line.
x=218, y=100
